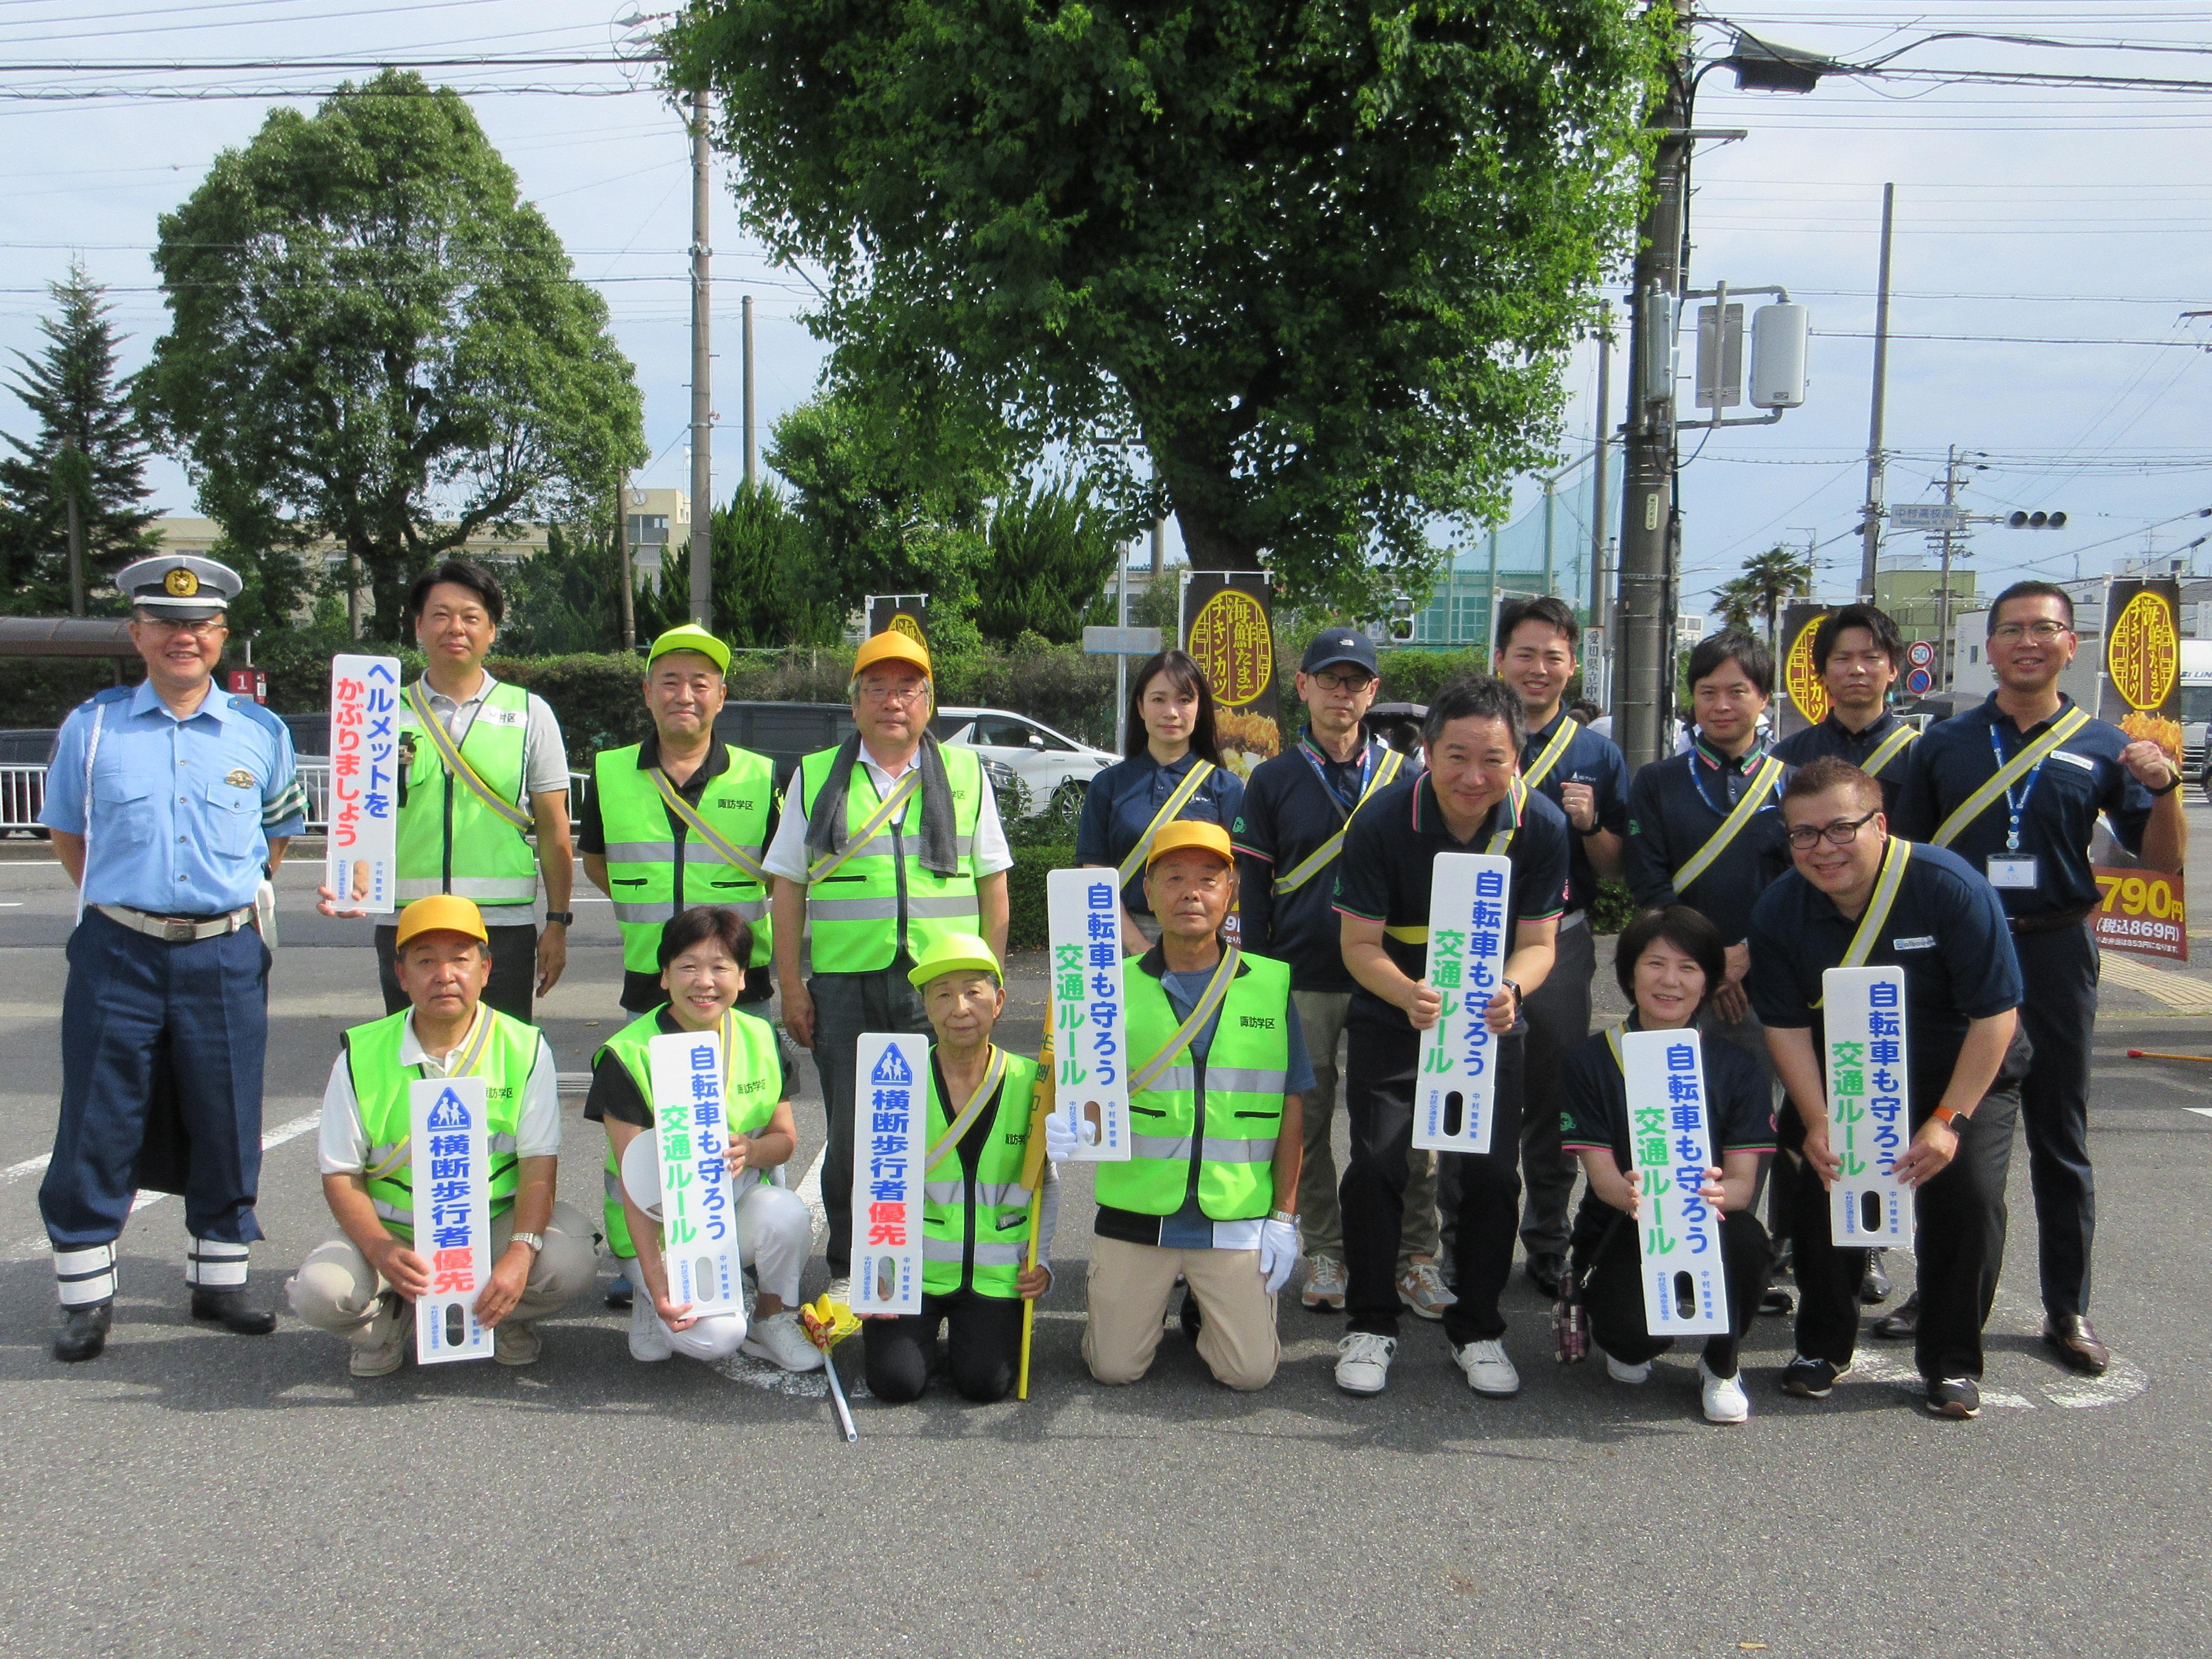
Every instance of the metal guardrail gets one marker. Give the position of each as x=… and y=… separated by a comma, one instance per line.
x=22, y=793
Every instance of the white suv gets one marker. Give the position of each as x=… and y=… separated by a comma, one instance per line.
x=1053, y=768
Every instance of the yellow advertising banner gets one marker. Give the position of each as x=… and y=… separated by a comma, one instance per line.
x=2139, y=691
x=2141, y=910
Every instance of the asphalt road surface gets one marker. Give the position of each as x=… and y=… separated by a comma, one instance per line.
x=193, y=1492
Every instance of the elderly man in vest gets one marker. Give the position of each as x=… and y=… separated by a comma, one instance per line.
x=886, y=844
x=1210, y=1189
x=363, y=1285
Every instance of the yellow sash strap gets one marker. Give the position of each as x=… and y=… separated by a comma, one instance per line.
x=2009, y=773
x=449, y=754
x=902, y=792
x=1498, y=843
x=994, y=1073
x=1209, y=1003
x=1325, y=854
x=1553, y=751
x=1754, y=797
x=471, y=1054
x=1169, y=810
x=674, y=801
x=1879, y=902
x=1889, y=749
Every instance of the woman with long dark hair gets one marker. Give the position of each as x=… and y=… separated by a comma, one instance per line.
x=1173, y=771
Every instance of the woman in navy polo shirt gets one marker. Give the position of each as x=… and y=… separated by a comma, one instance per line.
x=1174, y=771
x=1667, y=961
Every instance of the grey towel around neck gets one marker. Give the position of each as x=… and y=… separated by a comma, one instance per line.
x=826, y=827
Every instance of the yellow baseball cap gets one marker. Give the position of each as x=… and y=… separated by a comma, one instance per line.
x=891, y=646
x=954, y=953
x=690, y=636
x=441, y=912
x=1191, y=833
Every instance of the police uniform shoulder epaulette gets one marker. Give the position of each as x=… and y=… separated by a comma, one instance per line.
x=113, y=694
x=260, y=716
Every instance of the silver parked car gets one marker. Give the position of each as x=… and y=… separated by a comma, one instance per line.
x=1052, y=767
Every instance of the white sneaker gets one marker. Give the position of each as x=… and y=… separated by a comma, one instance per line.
x=380, y=1347
x=648, y=1337
x=1621, y=1371
x=1362, y=1362
x=779, y=1339
x=840, y=1289
x=1325, y=1283
x=1488, y=1371
x=1725, y=1399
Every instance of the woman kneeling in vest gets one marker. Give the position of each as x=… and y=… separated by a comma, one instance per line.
x=975, y=1198
x=704, y=954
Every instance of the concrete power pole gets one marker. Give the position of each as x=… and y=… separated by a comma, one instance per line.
x=1870, y=531
x=628, y=573
x=702, y=415
x=1943, y=593
x=1600, y=620
x=752, y=453
x=1645, y=623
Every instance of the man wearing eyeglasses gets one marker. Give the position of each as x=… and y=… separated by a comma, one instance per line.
x=2015, y=788
x=1854, y=896
x=170, y=803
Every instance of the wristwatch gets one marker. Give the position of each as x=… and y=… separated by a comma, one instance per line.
x=1952, y=1119
x=1287, y=1218
x=566, y=918
x=536, y=1241
x=2172, y=784
x=1586, y=834
x=1515, y=989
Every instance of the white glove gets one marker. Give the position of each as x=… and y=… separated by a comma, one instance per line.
x=1058, y=1139
x=1279, y=1252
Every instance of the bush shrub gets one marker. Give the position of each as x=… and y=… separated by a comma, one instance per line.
x=1026, y=923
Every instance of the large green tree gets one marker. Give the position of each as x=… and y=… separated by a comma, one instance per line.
x=769, y=582
x=1049, y=553
x=89, y=451
x=1305, y=274
x=373, y=337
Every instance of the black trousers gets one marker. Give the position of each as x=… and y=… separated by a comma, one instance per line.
x=846, y=1006
x=1960, y=1242
x=1382, y=1062
x=1557, y=1013
x=513, y=981
x=982, y=1347
x=2060, y=1010
x=1613, y=1293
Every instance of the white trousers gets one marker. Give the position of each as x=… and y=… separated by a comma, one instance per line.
x=774, y=1231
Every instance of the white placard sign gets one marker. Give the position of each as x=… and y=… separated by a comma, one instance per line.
x=1870, y=1106
x=891, y=1134
x=1469, y=895
x=450, y=1172
x=1670, y=1147
x=698, y=1218
x=1090, y=1018
x=364, y=803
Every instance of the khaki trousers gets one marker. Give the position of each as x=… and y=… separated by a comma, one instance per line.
x=1320, y=1222
x=335, y=1290
x=1130, y=1286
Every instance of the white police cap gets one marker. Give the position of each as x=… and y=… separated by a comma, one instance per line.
x=180, y=586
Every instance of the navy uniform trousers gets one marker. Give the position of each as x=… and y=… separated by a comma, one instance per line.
x=163, y=1047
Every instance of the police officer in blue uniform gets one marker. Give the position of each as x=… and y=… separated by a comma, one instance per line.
x=170, y=803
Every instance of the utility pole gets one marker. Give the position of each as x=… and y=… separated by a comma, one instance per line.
x=1943, y=593
x=623, y=558
x=1870, y=531
x=1551, y=495
x=1600, y=620
x=1645, y=651
x=73, y=472
x=752, y=458
x=702, y=415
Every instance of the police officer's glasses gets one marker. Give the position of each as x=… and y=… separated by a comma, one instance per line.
x=206, y=628
x=2042, y=632
x=1842, y=833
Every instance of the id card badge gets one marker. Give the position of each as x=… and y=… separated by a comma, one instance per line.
x=2012, y=870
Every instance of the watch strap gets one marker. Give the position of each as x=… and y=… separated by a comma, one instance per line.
x=566, y=918
x=536, y=1241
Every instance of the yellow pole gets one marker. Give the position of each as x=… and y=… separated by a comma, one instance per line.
x=1033, y=1169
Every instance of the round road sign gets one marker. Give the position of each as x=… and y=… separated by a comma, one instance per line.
x=1918, y=680
x=1920, y=653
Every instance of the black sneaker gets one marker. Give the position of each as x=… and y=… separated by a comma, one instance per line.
x=1811, y=1379
x=1192, y=1317
x=1873, y=1289
x=1776, y=1300
x=1955, y=1396
x=1545, y=1271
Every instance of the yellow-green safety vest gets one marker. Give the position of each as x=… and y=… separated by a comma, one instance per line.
x=852, y=912
x=975, y=1232
x=652, y=881
x=380, y=1088
x=449, y=841
x=1247, y=1067
x=750, y=1091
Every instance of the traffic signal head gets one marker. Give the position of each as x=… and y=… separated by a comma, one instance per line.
x=2036, y=521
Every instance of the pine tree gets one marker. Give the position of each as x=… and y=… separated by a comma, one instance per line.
x=89, y=447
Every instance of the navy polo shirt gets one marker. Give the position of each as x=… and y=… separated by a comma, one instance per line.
x=1946, y=931
x=1122, y=798
x=1594, y=1112
x=1292, y=804
x=1392, y=847
x=1833, y=737
x=2081, y=779
x=1592, y=758
x=1673, y=807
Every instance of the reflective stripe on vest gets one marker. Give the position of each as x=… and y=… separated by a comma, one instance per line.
x=641, y=850
x=853, y=909
x=449, y=841
x=1764, y=782
x=507, y=1051
x=1247, y=1064
x=752, y=1084
x=979, y=1225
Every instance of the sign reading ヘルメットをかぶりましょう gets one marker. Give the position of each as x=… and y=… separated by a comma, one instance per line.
x=364, y=803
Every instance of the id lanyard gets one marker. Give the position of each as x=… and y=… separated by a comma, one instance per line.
x=1705, y=795
x=2015, y=804
x=1366, y=770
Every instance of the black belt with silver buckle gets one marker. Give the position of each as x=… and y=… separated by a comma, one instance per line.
x=2052, y=922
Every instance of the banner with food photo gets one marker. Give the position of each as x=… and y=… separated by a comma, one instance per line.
x=2139, y=691
x=1228, y=627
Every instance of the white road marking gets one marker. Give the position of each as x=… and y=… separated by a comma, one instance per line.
x=810, y=1191
x=16, y=1172
x=2201, y=1111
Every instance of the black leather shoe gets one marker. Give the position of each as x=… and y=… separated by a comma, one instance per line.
x=1193, y=1317
x=229, y=1308
x=1902, y=1325
x=1873, y=1289
x=619, y=1292
x=1776, y=1300
x=83, y=1333
x=2070, y=1337
x=1544, y=1272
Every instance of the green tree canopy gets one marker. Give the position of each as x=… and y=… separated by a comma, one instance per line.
x=1307, y=276
x=770, y=584
x=1771, y=578
x=1049, y=553
x=89, y=446
x=373, y=337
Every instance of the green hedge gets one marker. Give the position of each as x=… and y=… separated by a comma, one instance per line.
x=1025, y=903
